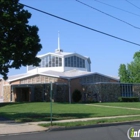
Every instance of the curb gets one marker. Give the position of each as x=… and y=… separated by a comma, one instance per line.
x=22, y=133
x=62, y=128
x=7, y=122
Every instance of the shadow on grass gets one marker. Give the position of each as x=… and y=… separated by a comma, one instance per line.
x=15, y=103
x=33, y=117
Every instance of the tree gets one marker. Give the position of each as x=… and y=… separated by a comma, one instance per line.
x=134, y=68
x=123, y=74
x=131, y=73
x=19, y=42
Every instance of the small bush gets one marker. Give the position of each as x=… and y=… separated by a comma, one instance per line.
x=128, y=99
x=120, y=99
x=76, y=96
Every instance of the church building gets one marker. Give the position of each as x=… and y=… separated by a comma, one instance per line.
x=67, y=72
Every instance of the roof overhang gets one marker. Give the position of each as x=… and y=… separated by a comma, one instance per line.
x=72, y=74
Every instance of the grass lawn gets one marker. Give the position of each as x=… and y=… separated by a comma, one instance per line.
x=40, y=111
x=123, y=104
x=85, y=123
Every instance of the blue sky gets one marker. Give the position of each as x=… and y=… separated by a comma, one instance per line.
x=106, y=53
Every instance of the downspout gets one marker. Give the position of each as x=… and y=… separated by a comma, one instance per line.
x=69, y=91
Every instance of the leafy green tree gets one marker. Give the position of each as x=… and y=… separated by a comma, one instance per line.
x=19, y=42
x=123, y=74
x=134, y=68
x=131, y=73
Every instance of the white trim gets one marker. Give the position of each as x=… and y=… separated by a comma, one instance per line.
x=84, y=75
x=63, y=54
x=33, y=75
x=51, y=75
x=58, y=42
x=68, y=76
x=22, y=77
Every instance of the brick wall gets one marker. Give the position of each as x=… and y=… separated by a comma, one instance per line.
x=94, y=78
x=60, y=93
x=15, y=82
x=75, y=84
x=109, y=92
x=136, y=90
x=6, y=93
x=104, y=92
x=1, y=86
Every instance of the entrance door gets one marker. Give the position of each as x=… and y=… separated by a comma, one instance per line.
x=22, y=94
x=25, y=94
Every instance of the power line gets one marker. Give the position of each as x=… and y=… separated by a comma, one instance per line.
x=108, y=14
x=117, y=8
x=81, y=25
x=133, y=4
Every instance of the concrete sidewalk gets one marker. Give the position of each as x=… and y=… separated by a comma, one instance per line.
x=8, y=128
x=16, y=128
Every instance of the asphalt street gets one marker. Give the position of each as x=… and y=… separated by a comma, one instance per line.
x=118, y=132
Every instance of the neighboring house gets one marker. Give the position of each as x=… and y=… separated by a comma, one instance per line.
x=67, y=72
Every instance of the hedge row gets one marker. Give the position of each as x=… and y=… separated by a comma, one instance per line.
x=128, y=99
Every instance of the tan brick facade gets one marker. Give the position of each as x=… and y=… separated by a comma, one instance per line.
x=7, y=93
x=1, y=89
x=15, y=83
x=37, y=88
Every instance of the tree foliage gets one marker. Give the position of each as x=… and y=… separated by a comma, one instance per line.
x=19, y=42
x=123, y=73
x=131, y=72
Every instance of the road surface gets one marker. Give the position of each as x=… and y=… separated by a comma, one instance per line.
x=118, y=132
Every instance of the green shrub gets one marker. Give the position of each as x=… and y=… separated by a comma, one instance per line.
x=128, y=99
x=76, y=96
x=120, y=99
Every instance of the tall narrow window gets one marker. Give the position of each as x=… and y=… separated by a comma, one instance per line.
x=60, y=62
x=78, y=63
x=83, y=63
x=56, y=62
x=74, y=61
x=49, y=60
x=71, y=61
x=43, y=62
x=47, y=64
x=66, y=62
x=53, y=61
